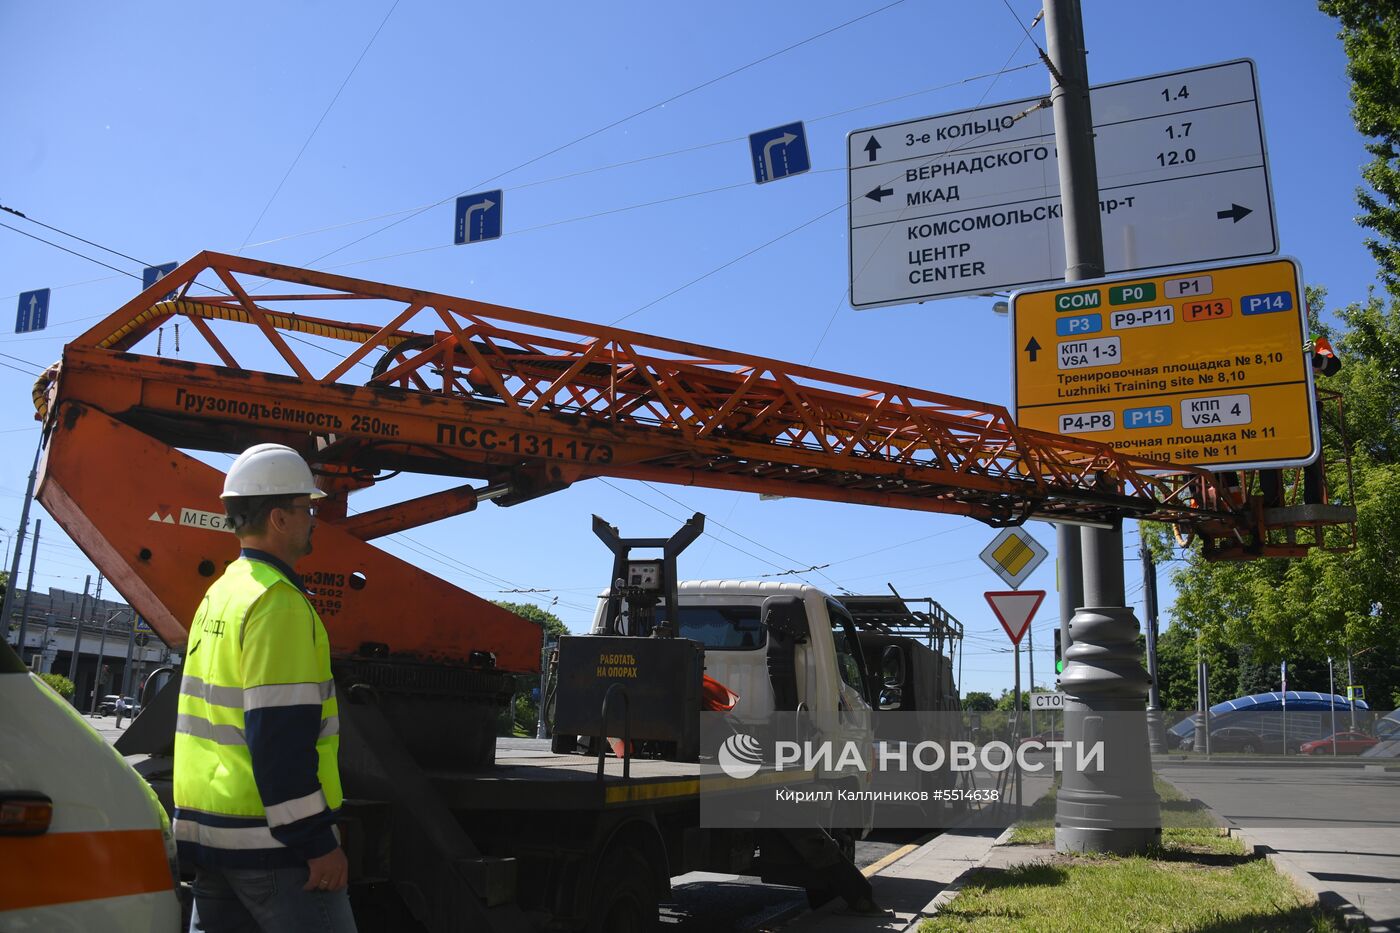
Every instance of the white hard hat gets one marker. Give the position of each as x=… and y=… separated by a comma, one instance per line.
x=270, y=470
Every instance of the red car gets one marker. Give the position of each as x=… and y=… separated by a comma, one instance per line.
x=1348, y=743
x=1044, y=737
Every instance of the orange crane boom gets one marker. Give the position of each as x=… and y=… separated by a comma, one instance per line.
x=527, y=402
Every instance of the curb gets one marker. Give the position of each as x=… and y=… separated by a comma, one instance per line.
x=1350, y=914
x=956, y=885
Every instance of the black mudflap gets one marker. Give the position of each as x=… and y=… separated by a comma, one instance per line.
x=811, y=858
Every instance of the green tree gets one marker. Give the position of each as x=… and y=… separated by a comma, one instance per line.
x=1007, y=701
x=1331, y=602
x=1370, y=34
x=60, y=684
x=979, y=701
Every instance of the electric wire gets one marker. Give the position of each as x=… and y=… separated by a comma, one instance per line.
x=314, y=129
x=67, y=250
x=612, y=125
x=655, y=156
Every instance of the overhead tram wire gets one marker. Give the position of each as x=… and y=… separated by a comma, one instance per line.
x=612, y=125
x=994, y=75
x=312, y=135
x=638, y=161
x=657, y=508
x=814, y=568
x=446, y=559
x=69, y=251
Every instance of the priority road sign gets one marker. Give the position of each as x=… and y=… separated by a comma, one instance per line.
x=478, y=217
x=1014, y=610
x=968, y=203
x=33, y=311
x=1013, y=555
x=153, y=274
x=779, y=152
x=1204, y=366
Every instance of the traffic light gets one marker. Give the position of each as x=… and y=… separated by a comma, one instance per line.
x=1059, y=654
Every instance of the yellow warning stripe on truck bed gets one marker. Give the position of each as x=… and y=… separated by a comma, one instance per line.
x=713, y=783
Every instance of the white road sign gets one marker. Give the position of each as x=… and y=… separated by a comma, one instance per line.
x=969, y=203
x=1047, y=701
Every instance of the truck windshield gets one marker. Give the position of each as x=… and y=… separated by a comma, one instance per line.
x=720, y=627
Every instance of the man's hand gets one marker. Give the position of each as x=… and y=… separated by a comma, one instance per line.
x=329, y=872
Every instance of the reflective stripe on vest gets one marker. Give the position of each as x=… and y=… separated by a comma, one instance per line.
x=287, y=665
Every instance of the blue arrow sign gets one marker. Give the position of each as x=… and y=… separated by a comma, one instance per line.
x=478, y=217
x=33, y=311
x=153, y=274
x=779, y=152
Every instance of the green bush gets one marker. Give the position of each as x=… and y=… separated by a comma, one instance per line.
x=60, y=684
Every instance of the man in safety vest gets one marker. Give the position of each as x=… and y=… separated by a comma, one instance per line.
x=256, y=780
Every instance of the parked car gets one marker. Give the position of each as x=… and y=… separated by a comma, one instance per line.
x=1235, y=739
x=1239, y=739
x=1052, y=736
x=1347, y=743
x=107, y=706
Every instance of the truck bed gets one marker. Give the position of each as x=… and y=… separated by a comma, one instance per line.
x=523, y=778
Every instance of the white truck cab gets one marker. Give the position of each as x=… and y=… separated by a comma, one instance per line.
x=831, y=677
x=84, y=842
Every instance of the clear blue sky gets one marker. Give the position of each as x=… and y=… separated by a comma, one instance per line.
x=161, y=129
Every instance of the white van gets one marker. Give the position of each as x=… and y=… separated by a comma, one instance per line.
x=84, y=843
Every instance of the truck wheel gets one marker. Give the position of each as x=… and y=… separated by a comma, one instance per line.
x=563, y=744
x=624, y=900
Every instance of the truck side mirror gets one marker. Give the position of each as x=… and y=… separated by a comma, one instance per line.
x=786, y=616
x=891, y=677
x=892, y=667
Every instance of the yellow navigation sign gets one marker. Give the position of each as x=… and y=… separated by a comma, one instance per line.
x=1206, y=366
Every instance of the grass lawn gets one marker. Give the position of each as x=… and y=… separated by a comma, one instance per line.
x=1198, y=880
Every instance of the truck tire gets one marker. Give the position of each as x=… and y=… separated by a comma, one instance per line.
x=624, y=899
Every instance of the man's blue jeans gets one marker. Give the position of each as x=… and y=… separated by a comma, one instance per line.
x=266, y=900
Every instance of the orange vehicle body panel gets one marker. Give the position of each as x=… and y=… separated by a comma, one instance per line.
x=148, y=515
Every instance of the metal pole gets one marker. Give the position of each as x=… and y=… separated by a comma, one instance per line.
x=1115, y=810
x=544, y=684
x=19, y=544
x=97, y=681
x=45, y=662
x=130, y=651
x=24, y=606
x=1156, y=734
x=1332, y=699
x=78, y=643
x=1351, y=701
x=1030, y=661
x=1016, y=730
x=1071, y=581
x=1283, y=684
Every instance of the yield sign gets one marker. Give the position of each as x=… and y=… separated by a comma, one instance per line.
x=1014, y=610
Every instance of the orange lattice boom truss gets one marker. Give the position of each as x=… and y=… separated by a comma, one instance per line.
x=538, y=401
x=527, y=402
